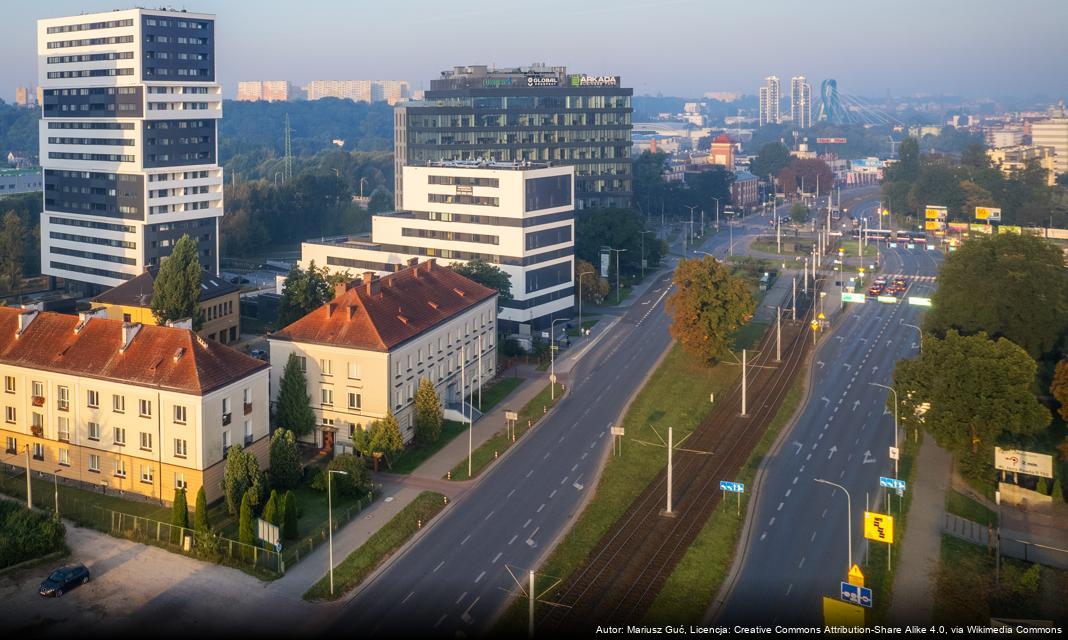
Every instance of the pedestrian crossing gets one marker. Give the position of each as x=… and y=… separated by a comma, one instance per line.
x=913, y=278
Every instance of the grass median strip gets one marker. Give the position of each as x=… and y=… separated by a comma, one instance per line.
x=416, y=455
x=379, y=547
x=699, y=574
x=487, y=452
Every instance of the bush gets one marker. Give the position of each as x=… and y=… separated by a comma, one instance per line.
x=284, y=462
x=246, y=530
x=272, y=513
x=200, y=520
x=356, y=483
x=26, y=534
x=1058, y=493
x=179, y=510
x=242, y=473
x=289, y=528
x=429, y=414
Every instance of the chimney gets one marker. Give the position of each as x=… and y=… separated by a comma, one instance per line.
x=85, y=316
x=25, y=318
x=340, y=289
x=129, y=330
x=370, y=282
x=413, y=261
x=429, y=264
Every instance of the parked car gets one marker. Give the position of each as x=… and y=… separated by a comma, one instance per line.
x=239, y=280
x=260, y=354
x=64, y=579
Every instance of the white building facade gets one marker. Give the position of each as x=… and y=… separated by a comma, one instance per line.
x=519, y=217
x=770, y=96
x=801, y=102
x=128, y=142
x=1053, y=133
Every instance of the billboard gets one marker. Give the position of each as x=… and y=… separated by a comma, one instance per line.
x=991, y=214
x=830, y=140
x=879, y=526
x=933, y=225
x=538, y=80
x=979, y=228
x=934, y=212
x=606, y=257
x=1009, y=228
x=1017, y=461
x=582, y=80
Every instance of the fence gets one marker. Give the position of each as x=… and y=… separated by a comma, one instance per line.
x=1011, y=547
x=294, y=551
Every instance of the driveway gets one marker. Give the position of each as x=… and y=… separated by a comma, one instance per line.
x=140, y=587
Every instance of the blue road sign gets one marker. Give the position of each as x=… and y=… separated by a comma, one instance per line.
x=733, y=487
x=892, y=483
x=893, y=245
x=856, y=595
x=912, y=246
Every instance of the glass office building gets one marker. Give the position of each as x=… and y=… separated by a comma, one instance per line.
x=536, y=114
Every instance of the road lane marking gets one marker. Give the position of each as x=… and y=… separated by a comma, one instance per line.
x=540, y=508
x=509, y=494
x=480, y=577
x=513, y=539
x=438, y=567
x=440, y=620
x=584, y=454
x=527, y=523
x=574, y=467
x=564, y=480
x=762, y=536
x=553, y=493
x=772, y=521
x=795, y=480
x=460, y=599
x=530, y=472
x=497, y=557
x=790, y=588
x=788, y=492
x=780, y=506
x=809, y=456
x=813, y=538
x=802, y=563
x=407, y=596
x=824, y=514
x=465, y=539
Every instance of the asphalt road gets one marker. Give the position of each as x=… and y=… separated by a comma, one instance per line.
x=797, y=545
x=454, y=578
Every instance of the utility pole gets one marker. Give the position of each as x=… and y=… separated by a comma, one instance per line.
x=29, y=486
x=530, y=623
x=793, y=300
x=778, y=334
x=743, y=382
x=670, y=448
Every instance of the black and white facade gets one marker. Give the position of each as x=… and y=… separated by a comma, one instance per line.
x=128, y=142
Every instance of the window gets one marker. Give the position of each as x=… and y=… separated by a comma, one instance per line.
x=226, y=441
x=63, y=429
x=354, y=370
x=37, y=420
x=63, y=398
x=118, y=404
x=226, y=406
x=93, y=399
x=9, y=384
x=326, y=366
x=328, y=396
x=145, y=408
x=120, y=468
x=94, y=463
x=248, y=396
x=38, y=451
x=147, y=473
x=94, y=430
x=64, y=457
x=38, y=389
x=146, y=441
x=179, y=414
x=355, y=401
x=303, y=363
x=120, y=436
x=9, y=415
x=248, y=432
x=181, y=448
x=11, y=445
x=179, y=481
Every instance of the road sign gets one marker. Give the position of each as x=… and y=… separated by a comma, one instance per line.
x=855, y=576
x=935, y=212
x=856, y=595
x=893, y=245
x=511, y=415
x=1017, y=461
x=859, y=298
x=617, y=431
x=912, y=246
x=895, y=454
x=887, y=299
x=815, y=325
x=892, y=483
x=879, y=526
x=552, y=378
x=919, y=302
x=842, y=614
x=733, y=487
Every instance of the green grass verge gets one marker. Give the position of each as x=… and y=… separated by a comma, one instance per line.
x=699, y=574
x=676, y=394
x=380, y=546
x=44, y=497
x=961, y=505
x=749, y=335
x=789, y=246
x=877, y=574
x=415, y=455
x=967, y=591
x=586, y=324
x=497, y=391
x=488, y=451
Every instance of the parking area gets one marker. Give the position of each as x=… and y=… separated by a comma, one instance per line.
x=142, y=588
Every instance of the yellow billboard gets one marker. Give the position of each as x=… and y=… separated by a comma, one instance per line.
x=987, y=213
x=1008, y=228
x=879, y=526
x=932, y=212
x=980, y=228
x=933, y=225
x=838, y=613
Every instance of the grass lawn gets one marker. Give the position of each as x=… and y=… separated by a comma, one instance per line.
x=788, y=243
x=416, y=455
x=497, y=391
x=610, y=300
x=699, y=574
x=586, y=324
x=379, y=547
x=499, y=443
x=966, y=591
x=961, y=505
x=748, y=335
x=676, y=394
x=44, y=497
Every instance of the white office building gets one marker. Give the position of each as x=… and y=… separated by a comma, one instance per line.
x=519, y=217
x=128, y=142
x=769, y=101
x=1053, y=133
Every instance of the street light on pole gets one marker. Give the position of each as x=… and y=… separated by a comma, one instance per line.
x=619, y=251
x=849, y=520
x=919, y=331
x=894, y=391
x=717, y=213
x=330, y=519
x=691, y=220
x=643, y=254
x=584, y=273
x=552, y=356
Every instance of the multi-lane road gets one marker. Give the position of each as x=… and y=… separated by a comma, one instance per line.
x=795, y=547
x=454, y=578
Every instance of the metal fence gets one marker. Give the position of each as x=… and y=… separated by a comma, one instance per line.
x=293, y=552
x=1011, y=547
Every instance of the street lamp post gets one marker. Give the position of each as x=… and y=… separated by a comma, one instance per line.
x=643, y=255
x=584, y=273
x=730, y=224
x=849, y=520
x=717, y=214
x=330, y=519
x=919, y=331
x=894, y=391
x=619, y=251
x=55, y=486
x=691, y=220
x=552, y=356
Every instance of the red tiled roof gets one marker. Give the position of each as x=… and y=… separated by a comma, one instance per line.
x=722, y=139
x=50, y=343
x=400, y=306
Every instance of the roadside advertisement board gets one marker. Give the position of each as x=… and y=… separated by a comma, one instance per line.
x=990, y=214
x=606, y=257
x=1017, y=461
x=933, y=225
x=1009, y=228
x=935, y=212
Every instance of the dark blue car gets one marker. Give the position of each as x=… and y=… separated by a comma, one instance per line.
x=64, y=579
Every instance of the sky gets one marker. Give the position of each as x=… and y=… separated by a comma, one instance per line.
x=974, y=48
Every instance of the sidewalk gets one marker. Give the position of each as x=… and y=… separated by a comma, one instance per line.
x=913, y=590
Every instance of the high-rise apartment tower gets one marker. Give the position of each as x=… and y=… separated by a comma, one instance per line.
x=769, y=101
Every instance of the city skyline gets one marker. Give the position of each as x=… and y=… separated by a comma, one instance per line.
x=898, y=62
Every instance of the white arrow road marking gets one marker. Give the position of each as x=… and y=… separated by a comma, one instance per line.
x=856, y=403
x=874, y=368
x=798, y=445
x=839, y=338
x=826, y=400
x=820, y=363
x=868, y=458
x=831, y=453
x=847, y=366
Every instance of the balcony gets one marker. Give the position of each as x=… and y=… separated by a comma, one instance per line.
x=37, y=430
x=248, y=408
x=38, y=401
x=226, y=419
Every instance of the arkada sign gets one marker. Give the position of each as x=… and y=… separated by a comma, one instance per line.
x=582, y=80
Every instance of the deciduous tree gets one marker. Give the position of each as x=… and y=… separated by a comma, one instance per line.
x=303, y=291
x=1059, y=388
x=11, y=244
x=707, y=306
x=488, y=275
x=592, y=287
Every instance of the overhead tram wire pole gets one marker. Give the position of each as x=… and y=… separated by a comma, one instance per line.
x=584, y=273
x=717, y=213
x=552, y=356
x=619, y=251
x=691, y=221
x=849, y=520
x=330, y=519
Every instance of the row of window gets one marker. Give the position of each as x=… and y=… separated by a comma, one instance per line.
x=93, y=107
x=87, y=224
x=178, y=208
x=93, y=91
x=455, y=236
x=90, y=73
x=181, y=90
x=183, y=71
x=92, y=271
x=87, y=26
x=170, y=141
x=91, y=57
x=181, y=24
x=89, y=255
x=175, y=39
x=177, y=106
x=154, y=125
x=355, y=399
x=174, y=193
x=93, y=207
x=115, y=142
x=448, y=198
x=89, y=42
x=464, y=181
x=220, y=310
x=91, y=157
x=124, y=126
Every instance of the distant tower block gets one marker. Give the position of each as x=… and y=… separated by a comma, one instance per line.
x=830, y=110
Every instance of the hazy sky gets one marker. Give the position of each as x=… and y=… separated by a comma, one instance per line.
x=675, y=47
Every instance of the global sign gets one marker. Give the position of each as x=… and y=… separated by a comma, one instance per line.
x=542, y=81
x=578, y=80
